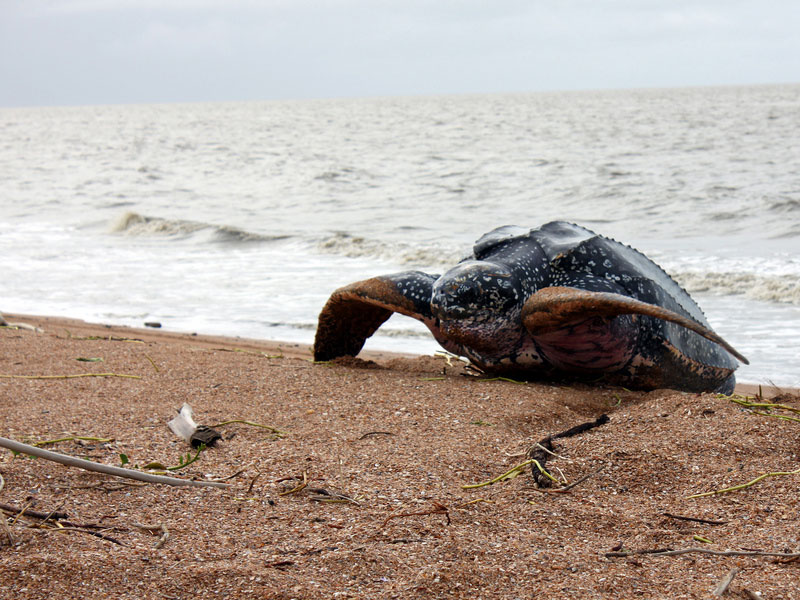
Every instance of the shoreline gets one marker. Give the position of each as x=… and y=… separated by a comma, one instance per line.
x=368, y=491
x=291, y=349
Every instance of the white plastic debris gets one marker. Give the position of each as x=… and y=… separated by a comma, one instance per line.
x=183, y=425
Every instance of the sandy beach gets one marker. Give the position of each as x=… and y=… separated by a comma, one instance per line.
x=346, y=479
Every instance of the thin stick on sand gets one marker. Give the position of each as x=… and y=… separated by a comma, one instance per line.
x=88, y=465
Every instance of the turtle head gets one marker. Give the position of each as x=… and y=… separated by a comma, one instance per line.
x=477, y=304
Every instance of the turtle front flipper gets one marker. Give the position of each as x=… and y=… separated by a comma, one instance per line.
x=354, y=312
x=556, y=308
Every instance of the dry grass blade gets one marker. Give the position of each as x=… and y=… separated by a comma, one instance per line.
x=75, y=376
x=297, y=488
x=252, y=424
x=566, y=488
x=152, y=362
x=73, y=438
x=510, y=474
x=745, y=485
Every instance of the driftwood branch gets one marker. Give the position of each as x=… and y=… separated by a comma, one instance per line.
x=88, y=465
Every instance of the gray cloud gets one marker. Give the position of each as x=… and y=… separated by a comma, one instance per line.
x=95, y=51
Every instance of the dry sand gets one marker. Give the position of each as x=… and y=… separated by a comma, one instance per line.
x=397, y=438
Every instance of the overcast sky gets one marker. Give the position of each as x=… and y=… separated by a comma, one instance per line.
x=57, y=52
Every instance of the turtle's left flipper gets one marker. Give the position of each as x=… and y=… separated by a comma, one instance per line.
x=354, y=312
x=553, y=308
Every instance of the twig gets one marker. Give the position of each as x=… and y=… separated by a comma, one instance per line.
x=236, y=474
x=564, y=489
x=748, y=404
x=297, y=488
x=87, y=532
x=32, y=513
x=92, y=526
x=255, y=352
x=369, y=433
x=104, y=487
x=745, y=485
x=324, y=495
x=253, y=481
x=101, y=468
x=438, y=509
x=21, y=511
x=725, y=582
x=694, y=519
x=279, y=564
x=449, y=357
x=547, y=451
x=70, y=376
x=667, y=552
x=542, y=450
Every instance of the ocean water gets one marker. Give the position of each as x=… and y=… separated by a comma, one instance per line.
x=241, y=218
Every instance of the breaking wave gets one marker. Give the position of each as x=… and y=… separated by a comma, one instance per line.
x=133, y=224
x=780, y=288
x=419, y=255
x=769, y=288
x=436, y=257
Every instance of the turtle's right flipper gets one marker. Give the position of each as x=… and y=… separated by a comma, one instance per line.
x=354, y=312
x=553, y=308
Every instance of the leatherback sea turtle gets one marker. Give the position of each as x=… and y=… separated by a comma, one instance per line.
x=555, y=302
